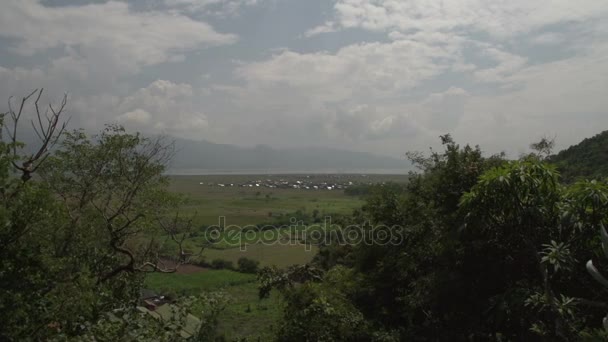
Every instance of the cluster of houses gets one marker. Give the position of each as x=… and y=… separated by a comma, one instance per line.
x=306, y=183
x=163, y=308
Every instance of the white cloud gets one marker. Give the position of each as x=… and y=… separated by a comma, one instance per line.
x=469, y=67
x=103, y=46
x=163, y=107
x=137, y=116
x=380, y=70
x=105, y=31
x=357, y=91
x=507, y=64
x=366, y=123
x=324, y=28
x=442, y=111
x=547, y=38
x=565, y=98
x=220, y=8
x=18, y=80
x=497, y=18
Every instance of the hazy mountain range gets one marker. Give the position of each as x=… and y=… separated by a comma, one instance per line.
x=200, y=156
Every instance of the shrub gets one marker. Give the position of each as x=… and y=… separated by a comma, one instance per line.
x=219, y=264
x=200, y=261
x=247, y=265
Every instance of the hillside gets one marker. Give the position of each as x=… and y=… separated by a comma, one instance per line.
x=587, y=159
x=204, y=155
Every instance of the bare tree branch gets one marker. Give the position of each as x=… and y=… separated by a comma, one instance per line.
x=48, y=133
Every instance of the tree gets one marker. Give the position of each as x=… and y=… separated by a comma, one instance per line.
x=492, y=250
x=316, y=308
x=414, y=287
x=77, y=223
x=414, y=290
x=545, y=231
x=543, y=148
x=587, y=159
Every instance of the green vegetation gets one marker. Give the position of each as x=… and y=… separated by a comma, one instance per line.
x=76, y=239
x=471, y=248
x=245, y=315
x=196, y=282
x=242, y=206
x=247, y=265
x=588, y=159
x=492, y=250
x=277, y=255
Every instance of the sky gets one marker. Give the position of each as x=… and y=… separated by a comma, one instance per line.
x=380, y=76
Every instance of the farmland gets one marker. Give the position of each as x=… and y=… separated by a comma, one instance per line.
x=242, y=203
x=211, y=197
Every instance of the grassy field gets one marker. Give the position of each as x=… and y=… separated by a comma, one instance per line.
x=246, y=315
x=277, y=255
x=208, y=280
x=243, y=206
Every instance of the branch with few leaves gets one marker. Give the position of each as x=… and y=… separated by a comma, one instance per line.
x=47, y=127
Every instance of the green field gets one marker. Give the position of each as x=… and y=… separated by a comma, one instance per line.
x=245, y=206
x=207, y=280
x=277, y=255
x=246, y=315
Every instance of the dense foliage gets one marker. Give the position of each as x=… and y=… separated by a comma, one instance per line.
x=588, y=159
x=493, y=250
x=76, y=228
x=247, y=265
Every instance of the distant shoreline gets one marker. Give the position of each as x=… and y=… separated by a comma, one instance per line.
x=206, y=172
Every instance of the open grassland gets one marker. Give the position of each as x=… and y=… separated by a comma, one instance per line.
x=247, y=206
x=246, y=316
x=255, y=205
x=192, y=283
x=268, y=255
x=275, y=254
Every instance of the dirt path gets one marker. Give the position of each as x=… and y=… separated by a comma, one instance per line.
x=184, y=269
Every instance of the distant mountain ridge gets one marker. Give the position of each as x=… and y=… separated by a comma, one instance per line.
x=206, y=155
x=587, y=159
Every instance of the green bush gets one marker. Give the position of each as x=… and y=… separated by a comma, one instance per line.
x=247, y=265
x=220, y=264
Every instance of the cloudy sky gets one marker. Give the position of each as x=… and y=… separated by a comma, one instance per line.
x=384, y=76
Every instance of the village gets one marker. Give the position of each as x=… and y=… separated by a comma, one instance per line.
x=306, y=182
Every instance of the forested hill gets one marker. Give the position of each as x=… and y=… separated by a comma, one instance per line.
x=587, y=159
